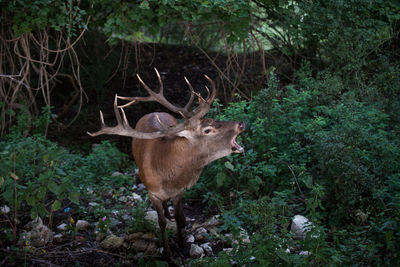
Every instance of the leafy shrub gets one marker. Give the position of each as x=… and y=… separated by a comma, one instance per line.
x=38, y=173
x=314, y=149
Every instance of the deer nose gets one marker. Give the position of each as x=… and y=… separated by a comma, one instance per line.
x=242, y=126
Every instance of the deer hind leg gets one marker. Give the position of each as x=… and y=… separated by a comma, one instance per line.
x=162, y=222
x=179, y=217
x=167, y=214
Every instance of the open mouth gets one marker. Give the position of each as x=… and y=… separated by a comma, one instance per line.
x=235, y=147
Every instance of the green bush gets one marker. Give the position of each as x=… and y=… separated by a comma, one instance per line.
x=37, y=172
x=314, y=149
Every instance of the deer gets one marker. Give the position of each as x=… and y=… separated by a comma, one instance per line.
x=170, y=155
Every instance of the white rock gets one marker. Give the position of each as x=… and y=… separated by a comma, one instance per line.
x=207, y=248
x=190, y=239
x=62, y=227
x=112, y=242
x=58, y=237
x=82, y=225
x=152, y=217
x=137, y=197
x=196, y=251
x=300, y=226
x=304, y=253
x=40, y=234
x=199, y=234
x=5, y=209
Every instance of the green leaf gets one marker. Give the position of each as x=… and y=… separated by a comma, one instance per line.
x=61, y=172
x=220, y=178
x=229, y=166
x=1, y=181
x=56, y=205
x=53, y=187
x=74, y=197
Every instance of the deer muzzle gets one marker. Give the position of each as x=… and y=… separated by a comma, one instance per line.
x=236, y=148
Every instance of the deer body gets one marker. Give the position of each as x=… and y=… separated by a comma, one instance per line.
x=167, y=165
x=171, y=155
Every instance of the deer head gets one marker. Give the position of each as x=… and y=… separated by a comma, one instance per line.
x=194, y=127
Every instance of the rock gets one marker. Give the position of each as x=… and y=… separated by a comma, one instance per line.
x=82, y=225
x=40, y=234
x=99, y=236
x=112, y=242
x=214, y=231
x=141, y=245
x=149, y=237
x=123, y=199
x=200, y=234
x=152, y=217
x=5, y=209
x=212, y=222
x=190, y=239
x=114, y=222
x=127, y=217
x=207, y=248
x=136, y=197
x=141, y=187
x=304, y=253
x=133, y=237
x=361, y=216
x=196, y=251
x=300, y=226
x=58, y=237
x=62, y=227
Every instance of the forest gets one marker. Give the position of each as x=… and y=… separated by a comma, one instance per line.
x=316, y=82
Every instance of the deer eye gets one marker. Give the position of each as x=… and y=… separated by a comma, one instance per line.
x=207, y=131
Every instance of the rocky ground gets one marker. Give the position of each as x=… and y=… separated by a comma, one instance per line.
x=126, y=234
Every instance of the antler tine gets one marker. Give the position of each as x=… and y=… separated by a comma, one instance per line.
x=151, y=92
x=158, y=97
x=208, y=92
x=102, y=119
x=189, y=103
x=117, y=115
x=213, y=90
x=204, y=105
x=125, y=121
x=161, y=91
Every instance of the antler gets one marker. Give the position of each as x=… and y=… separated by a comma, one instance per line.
x=124, y=129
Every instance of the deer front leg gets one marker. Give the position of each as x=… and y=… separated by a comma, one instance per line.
x=179, y=217
x=162, y=222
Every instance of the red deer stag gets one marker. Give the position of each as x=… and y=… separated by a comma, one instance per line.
x=171, y=155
